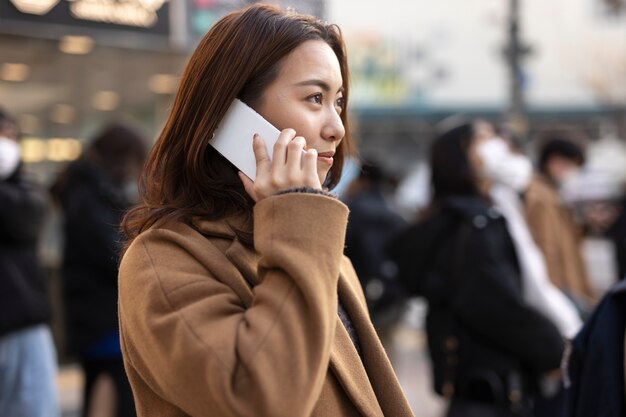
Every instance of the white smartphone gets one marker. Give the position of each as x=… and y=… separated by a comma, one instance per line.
x=233, y=137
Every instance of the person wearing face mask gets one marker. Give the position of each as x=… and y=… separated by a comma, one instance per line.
x=511, y=174
x=27, y=355
x=235, y=298
x=552, y=224
x=488, y=345
x=93, y=195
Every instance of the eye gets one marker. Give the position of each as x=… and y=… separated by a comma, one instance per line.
x=316, y=98
x=340, y=103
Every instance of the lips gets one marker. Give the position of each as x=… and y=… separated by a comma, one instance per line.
x=328, y=154
x=326, y=157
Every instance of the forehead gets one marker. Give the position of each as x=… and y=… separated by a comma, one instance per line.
x=311, y=60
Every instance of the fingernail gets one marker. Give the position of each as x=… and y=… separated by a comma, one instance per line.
x=255, y=136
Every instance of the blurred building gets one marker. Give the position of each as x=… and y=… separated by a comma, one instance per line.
x=415, y=62
x=69, y=66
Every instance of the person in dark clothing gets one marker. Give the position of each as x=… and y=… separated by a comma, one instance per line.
x=487, y=345
x=617, y=234
x=94, y=194
x=371, y=223
x=595, y=369
x=27, y=353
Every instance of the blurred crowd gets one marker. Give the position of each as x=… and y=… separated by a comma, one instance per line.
x=515, y=324
x=497, y=254
x=92, y=193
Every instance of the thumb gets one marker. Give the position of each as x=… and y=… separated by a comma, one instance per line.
x=248, y=185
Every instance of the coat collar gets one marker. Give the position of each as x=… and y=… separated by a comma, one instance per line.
x=223, y=228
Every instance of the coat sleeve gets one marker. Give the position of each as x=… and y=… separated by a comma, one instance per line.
x=492, y=304
x=198, y=347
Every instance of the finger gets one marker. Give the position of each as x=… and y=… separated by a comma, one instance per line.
x=263, y=162
x=295, y=150
x=309, y=167
x=248, y=185
x=279, y=156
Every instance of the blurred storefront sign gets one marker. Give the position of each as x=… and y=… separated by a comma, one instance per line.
x=97, y=18
x=202, y=14
x=392, y=73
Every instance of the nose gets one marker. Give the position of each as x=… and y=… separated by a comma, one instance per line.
x=333, y=129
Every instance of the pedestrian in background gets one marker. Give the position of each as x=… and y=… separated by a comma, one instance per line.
x=511, y=174
x=372, y=222
x=596, y=362
x=488, y=346
x=94, y=192
x=552, y=224
x=28, y=363
x=235, y=297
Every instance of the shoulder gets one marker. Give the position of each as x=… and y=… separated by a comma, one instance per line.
x=168, y=254
x=473, y=212
x=540, y=192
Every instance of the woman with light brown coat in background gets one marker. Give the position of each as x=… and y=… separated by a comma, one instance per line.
x=552, y=223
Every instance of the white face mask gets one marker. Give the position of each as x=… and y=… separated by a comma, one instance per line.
x=9, y=157
x=502, y=166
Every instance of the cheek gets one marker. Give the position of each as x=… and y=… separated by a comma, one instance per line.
x=302, y=122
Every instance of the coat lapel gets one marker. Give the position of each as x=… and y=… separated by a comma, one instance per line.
x=384, y=389
x=348, y=366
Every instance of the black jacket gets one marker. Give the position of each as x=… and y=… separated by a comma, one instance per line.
x=23, y=288
x=596, y=364
x=463, y=261
x=93, y=206
x=371, y=224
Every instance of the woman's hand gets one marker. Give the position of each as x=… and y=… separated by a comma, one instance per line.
x=292, y=166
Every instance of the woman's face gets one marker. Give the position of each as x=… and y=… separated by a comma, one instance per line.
x=307, y=96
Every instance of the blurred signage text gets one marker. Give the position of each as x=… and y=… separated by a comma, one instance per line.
x=34, y=17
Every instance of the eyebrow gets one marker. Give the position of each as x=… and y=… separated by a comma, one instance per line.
x=319, y=83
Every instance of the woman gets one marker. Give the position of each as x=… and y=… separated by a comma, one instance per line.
x=93, y=194
x=234, y=296
x=28, y=365
x=487, y=345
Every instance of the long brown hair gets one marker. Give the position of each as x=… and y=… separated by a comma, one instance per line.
x=183, y=176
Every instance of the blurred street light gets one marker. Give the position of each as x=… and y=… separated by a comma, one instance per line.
x=14, y=72
x=76, y=45
x=515, y=52
x=63, y=114
x=105, y=100
x=163, y=83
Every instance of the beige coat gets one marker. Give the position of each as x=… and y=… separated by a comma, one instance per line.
x=210, y=327
x=556, y=234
